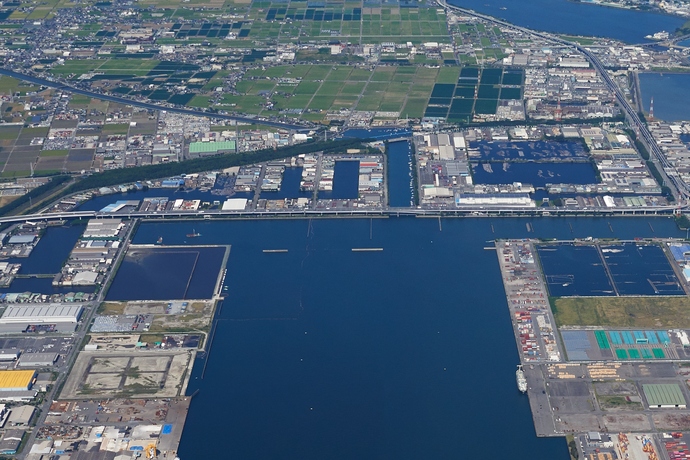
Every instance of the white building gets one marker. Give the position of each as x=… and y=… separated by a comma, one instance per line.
x=102, y=228
x=55, y=313
x=494, y=199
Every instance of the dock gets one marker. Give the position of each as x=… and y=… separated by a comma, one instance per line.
x=367, y=249
x=533, y=325
x=528, y=301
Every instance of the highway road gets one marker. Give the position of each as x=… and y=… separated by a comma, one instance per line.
x=146, y=105
x=680, y=190
x=90, y=310
x=478, y=211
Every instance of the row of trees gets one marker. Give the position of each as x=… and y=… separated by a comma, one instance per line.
x=34, y=194
x=129, y=175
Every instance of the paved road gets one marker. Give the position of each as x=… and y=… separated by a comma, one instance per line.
x=63, y=370
x=680, y=189
x=146, y=105
x=451, y=212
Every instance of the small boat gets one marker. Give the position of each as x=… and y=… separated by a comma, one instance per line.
x=159, y=240
x=194, y=234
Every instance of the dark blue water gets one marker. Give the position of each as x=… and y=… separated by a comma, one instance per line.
x=567, y=17
x=641, y=270
x=51, y=252
x=289, y=187
x=380, y=134
x=685, y=138
x=167, y=273
x=48, y=256
x=399, y=174
x=684, y=43
x=670, y=93
x=537, y=174
x=541, y=194
x=524, y=150
x=100, y=202
x=345, y=181
x=574, y=271
x=580, y=271
x=367, y=380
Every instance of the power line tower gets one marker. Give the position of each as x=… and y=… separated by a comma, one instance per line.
x=558, y=114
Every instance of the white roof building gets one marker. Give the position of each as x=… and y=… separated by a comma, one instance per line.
x=41, y=314
x=85, y=278
x=234, y=204
x=102, y=228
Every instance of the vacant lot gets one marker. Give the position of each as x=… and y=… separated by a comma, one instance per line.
x=161, y=374
x=642, y=312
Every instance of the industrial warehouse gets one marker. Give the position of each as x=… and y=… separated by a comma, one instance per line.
x=16, y=380
x=664, y=396
x=52, y=318
x=100, y=229
x=17, y=385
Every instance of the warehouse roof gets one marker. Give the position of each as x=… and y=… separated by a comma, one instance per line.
x=38, y=359
x=22, y=239
x=235, y=204
x=101, y=228
x=211, y=147
x=16, y=379
x=41, y=314
x=663, y=394
x=21, y=415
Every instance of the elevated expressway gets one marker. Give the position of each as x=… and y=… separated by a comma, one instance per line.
x=680, y=189
x=671, y=178
x=477, y=211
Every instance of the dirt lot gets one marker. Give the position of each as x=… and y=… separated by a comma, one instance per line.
x=672, y=421
x=107, y=374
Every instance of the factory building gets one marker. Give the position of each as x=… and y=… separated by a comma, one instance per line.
x=664, y=396
x=102, y=229
x=234, y=204
x=52, y=318
x=11, y=441
x=29, y=360
x=212, y=147
x=16, y=381
x=22, y=239
x=494, y=199
x=21, y=415
x=8, y=354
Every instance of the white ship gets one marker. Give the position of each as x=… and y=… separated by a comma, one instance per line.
x=663, y=35
x=521, y=380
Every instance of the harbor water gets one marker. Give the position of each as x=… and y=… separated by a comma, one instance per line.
x=537, y=174
x=400, y=164
x=576, y=18
x=47, y=258
x=670, y=93
x=345, y=181
x=406, y=353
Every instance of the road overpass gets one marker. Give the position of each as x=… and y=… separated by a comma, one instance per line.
x=477, y=211
x=679, y=189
